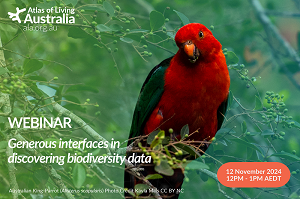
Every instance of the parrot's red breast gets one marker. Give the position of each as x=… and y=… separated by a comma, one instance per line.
x=196, y=84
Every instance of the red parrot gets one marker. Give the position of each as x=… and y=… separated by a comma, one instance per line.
x=189, y=88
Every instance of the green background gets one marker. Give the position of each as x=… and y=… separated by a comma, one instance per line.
x=113, y=80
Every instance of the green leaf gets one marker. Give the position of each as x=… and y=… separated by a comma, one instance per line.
x=155, y=38
x=3, y=70
x=59, y=91
x=167, y=151
x=7, y=32
x=166, y=140
x=296, y=124
x=189, y=149
x=164, y=168
x=3, y=119
x=151, y=136
x=96, y=151
x=249, y=153
x=222, y=141
x=254, y=133
x=236, y=102
x=126, y=40
x=4, y=144
x=77, y=33
x=156, y=142
x=182, y=17
x=72, y=98
x=46, y=5
x=138, y=30
x=298, y=39
x=292, y=66
x=267, y=132
x=23, y=1
x=80, y=87
x=151, y=176
x=18, y=112
x=203, y=176
x=294, y=195
x=72, y=107
x=109, y=9
x=184, y=131
x=41, y=93
x=231, y=58
x=261, y=149
x=73, y=2
x=171, y=34
x=244, y=127
x=8, y=28
x=140, y=188
x=157, y=20
x=32, y=65
x=36, y=90
x=259, y=156
x=223, y=132
x=232, y=104
x=38, y=78
x=47, y=102
x=230, y=99
x=79, y=175
x=161, y=133
x=219, y=152
x=115, y=27
x=196, y=165
x=93, y=8
x=247, y=144
x=41, y=175
x=258, y=104
x=130, y=191
x=103, y=28
x=286, y=156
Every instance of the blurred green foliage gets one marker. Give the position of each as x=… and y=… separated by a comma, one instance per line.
x=100, y=63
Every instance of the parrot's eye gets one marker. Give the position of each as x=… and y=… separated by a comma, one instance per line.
x=201, y=35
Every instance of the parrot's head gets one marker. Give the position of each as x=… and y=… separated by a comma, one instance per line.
x=197, y=41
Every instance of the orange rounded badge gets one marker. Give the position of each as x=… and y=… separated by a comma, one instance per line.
x=253, y=174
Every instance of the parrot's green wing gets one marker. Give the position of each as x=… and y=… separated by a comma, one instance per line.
x=149, y=97
x=221, y=112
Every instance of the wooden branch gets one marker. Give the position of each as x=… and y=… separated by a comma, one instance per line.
x=284, y=67
x=282, y=14
x=135, y=172
x=56, y=178
x=11, y=172
x=271, y=29
x=91, y=132
x=5, y=105
x=297, y=4
x=96, y=136
x=214, y=176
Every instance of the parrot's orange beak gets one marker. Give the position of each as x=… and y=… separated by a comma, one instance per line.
x=191, y=51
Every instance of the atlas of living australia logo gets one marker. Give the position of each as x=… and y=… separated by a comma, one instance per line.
x=39, y=19
x=15, y=16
